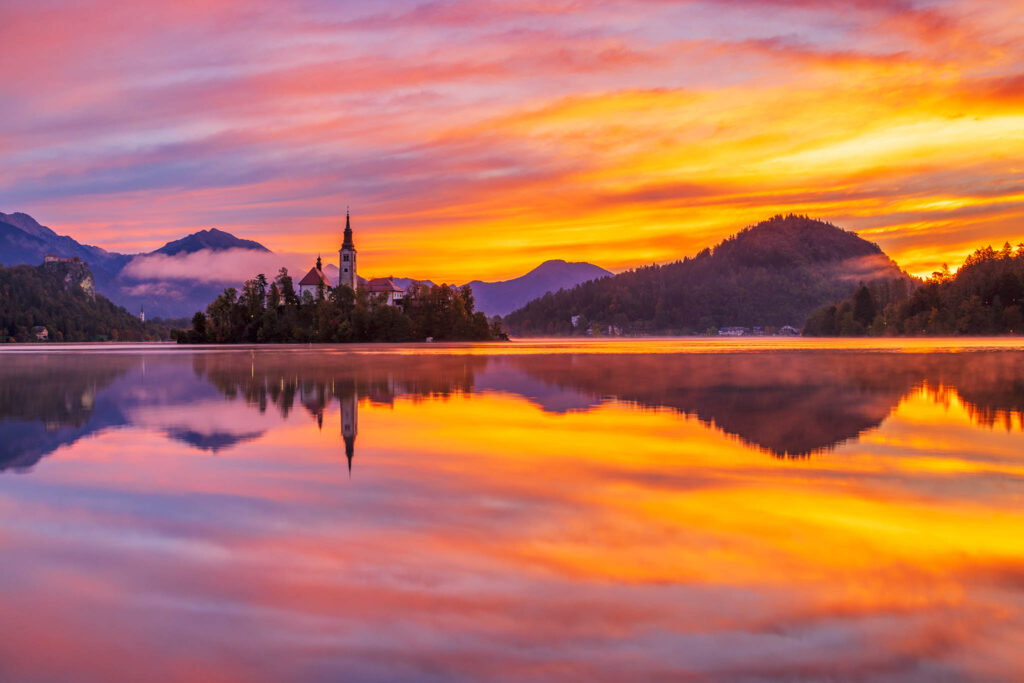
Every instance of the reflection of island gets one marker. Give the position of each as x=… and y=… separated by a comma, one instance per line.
x=317, y=380
x=788, y=403
x=349, y=426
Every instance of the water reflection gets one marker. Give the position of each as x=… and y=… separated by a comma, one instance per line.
x=788, y=404
x=558, y=516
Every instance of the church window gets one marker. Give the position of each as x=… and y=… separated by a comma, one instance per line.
x=344, y=257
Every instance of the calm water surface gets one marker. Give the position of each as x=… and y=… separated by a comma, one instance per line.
x=621, y=511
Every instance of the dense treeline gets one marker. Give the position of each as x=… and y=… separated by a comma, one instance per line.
x=52, y=297
x=266, y=311
x=771, y=274
x=984, y=297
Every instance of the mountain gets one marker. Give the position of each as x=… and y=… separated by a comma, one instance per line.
x=23, y=240
x=17, y=246
x=177, y=298
x=771, y=274
x=212, y=239
x=502, y=297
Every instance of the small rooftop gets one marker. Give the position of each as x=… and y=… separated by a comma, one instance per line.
x=382, y=284
x=314, y=277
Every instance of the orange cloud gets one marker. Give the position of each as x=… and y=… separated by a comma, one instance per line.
x=474, y=139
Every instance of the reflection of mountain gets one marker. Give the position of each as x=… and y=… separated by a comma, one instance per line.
x=214, y=441
x=44, y=404
x=54, y=399
x=788, y=403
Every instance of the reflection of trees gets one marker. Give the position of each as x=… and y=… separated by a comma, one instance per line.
x=790, y=403
x=316, y=380
x=991, y=386
x=44, y=387
x=47, y=401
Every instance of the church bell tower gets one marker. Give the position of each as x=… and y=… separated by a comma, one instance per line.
x=347, y=258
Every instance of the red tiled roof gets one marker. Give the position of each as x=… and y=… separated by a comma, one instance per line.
x=315, y=277
x=382, y=284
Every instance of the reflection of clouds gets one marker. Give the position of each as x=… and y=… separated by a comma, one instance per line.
x=483, y=536
x=208, y=425
x=510, y=542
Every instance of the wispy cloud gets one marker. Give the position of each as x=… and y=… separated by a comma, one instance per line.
x=471, y=136
x=227, y=265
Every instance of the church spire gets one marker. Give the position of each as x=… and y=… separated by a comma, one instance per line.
x=319, y=263
x=347, y=243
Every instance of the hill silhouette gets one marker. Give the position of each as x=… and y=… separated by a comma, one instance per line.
x=504, y=296
x=771, y=274
x=212, y=239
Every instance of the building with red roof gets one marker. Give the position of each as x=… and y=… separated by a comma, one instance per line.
x=387, y=287
x=314, y=279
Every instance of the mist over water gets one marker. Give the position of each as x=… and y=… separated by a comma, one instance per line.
x=613, y=511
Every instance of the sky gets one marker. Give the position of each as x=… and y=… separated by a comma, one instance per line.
x=477, y=138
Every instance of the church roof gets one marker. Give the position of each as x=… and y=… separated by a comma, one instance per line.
x=382, y=284
x=314, y=277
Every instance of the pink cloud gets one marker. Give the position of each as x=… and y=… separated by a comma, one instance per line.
x=230, y=265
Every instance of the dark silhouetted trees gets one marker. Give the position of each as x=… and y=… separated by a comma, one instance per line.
x=984, y=297
x=52, y=296
x=272, y=312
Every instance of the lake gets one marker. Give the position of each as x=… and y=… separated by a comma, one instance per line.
x=637, y=510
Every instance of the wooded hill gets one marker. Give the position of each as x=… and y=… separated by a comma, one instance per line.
x=772, y=274
x=61, y=298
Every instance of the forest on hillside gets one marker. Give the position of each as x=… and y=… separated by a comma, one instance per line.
x=272, y=311
x=50, y=297
x=985, y=296
x=771, y=274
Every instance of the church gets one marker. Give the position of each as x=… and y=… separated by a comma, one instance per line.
x=380, y=286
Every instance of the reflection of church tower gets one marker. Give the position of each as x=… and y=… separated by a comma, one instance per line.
x=349, y=425
x=347, y=258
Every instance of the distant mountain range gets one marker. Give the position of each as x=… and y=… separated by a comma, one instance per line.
x=771, y=274
x=505, y=296
x=23, y=240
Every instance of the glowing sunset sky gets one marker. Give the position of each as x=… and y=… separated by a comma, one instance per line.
x=475, y=138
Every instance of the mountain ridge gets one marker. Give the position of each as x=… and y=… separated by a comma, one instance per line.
x=212, y=239
x=773, y=273
x=504, y=296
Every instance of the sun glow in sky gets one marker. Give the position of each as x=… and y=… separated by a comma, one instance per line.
x=475, y=138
